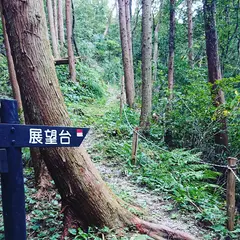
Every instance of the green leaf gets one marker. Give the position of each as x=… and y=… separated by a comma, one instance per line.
x=72, y=231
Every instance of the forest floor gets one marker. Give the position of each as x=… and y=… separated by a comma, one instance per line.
x=158, y=208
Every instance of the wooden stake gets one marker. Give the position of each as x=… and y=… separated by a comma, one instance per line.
x=231, y=183
x=134, y=146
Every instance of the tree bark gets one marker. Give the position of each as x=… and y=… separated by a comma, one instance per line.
x=128, y=71
x=171, y=49
x=146, y=65
x=55, y=18
x=52, y=28
x=40, y=172
x=155, y=43
x=214, y=70
x=73, y=34
x=72, y=69
x=41, y=175
x=129, y=33
x=155, y=51
x=190, y=33
x=60, y=23
x=11, y=69
x=82, y=190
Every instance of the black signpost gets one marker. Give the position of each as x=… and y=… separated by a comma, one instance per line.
x=14, y=136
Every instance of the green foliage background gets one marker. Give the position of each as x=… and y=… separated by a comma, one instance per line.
x=176, y=170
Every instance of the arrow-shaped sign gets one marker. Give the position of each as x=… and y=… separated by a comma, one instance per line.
x=40, y=136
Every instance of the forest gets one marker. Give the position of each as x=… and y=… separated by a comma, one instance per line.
x=158, y=84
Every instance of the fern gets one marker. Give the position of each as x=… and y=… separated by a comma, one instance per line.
x=181, y=174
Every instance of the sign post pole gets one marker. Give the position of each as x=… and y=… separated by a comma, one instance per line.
x=14, y=136
x=13, y=198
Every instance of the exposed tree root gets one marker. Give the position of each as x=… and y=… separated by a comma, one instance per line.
x=160, y=232
x=69, y=221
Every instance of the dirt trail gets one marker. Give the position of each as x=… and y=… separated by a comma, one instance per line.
x=157, y=208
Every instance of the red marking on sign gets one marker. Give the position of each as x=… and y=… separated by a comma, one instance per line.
x=79, y=133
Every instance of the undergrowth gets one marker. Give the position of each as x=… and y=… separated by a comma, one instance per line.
x=43, y=214
x=180, y=172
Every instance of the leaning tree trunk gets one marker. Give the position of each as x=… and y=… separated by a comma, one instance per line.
x=146, y=65
x=171, y=49
x=76, y=178
x=82, y=190
x=52, y=28
x=40, y=171
x=127, y=66
x=214, y=70
x=71, y=60
x=190, y=33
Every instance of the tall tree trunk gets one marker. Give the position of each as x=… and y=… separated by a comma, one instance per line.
x=171, y=49
x=73, y=33
x=127, y=66
x=60, y=23
x=155, y=51
x=168, y=133
x=146, y=65
x=55, y=19
x=155, y=43
x=190, y=33
x=72, y=69
x=214, y=70
x=40, y=172
x=52, y=28
x=82, y=190
x=129, y=33
x=11, y=70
